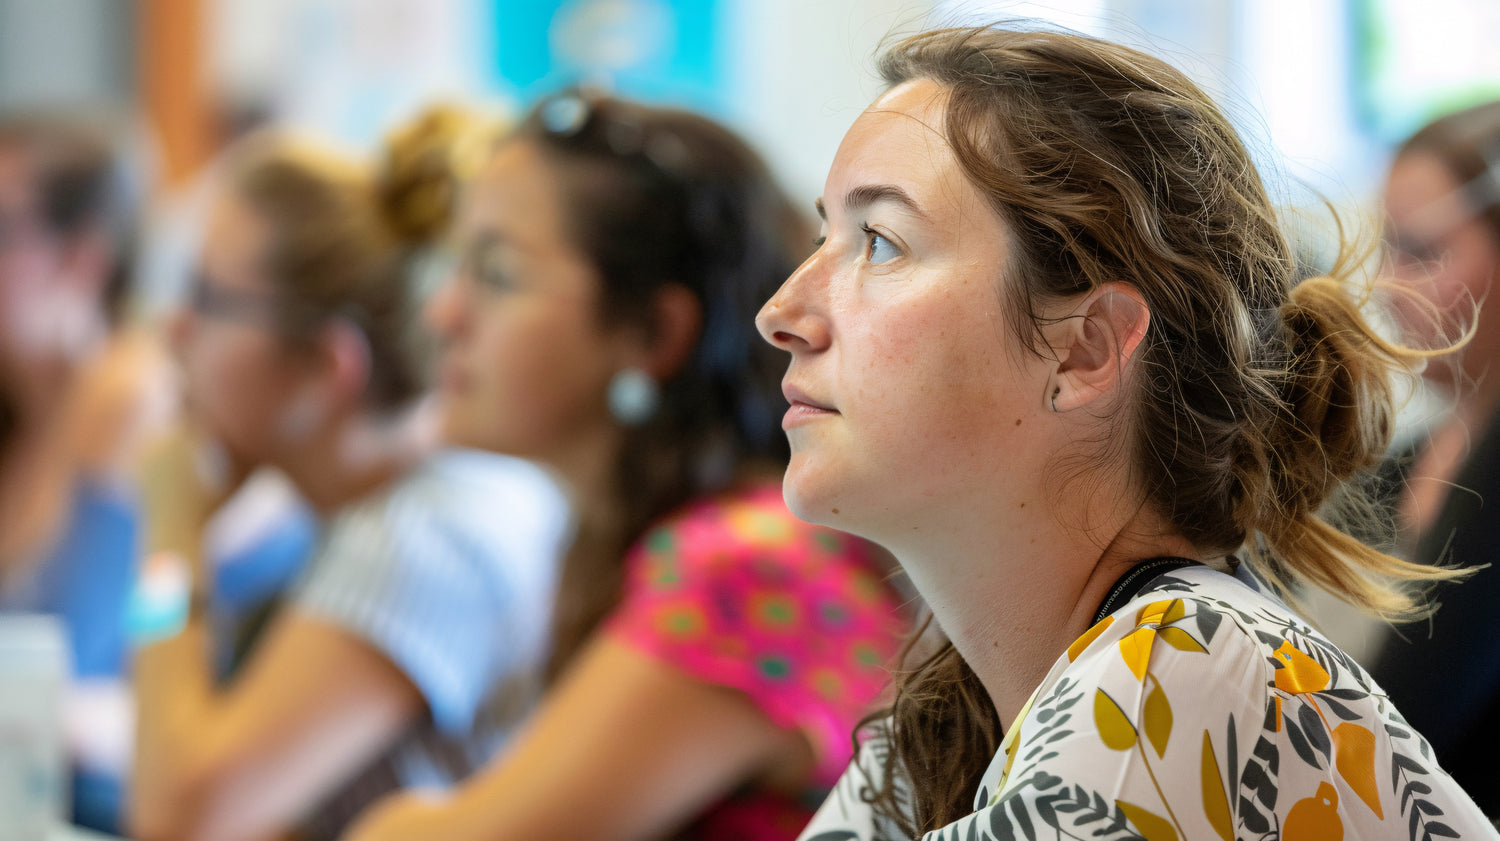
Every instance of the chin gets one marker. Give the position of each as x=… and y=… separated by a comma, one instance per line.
x=454, y=432
x=810, y=498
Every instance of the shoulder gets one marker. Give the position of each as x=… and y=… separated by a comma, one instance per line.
x=1206, y=704
x=458, y=522
x=460, y=501
x=479, y=489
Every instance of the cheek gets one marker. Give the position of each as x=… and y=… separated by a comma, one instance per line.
x=1471, y=271
x=536, y=377
x=929, y=403
x=937, y=383
x=235, y=391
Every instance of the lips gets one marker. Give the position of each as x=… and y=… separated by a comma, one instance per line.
x=804, y=409
x=797, y=397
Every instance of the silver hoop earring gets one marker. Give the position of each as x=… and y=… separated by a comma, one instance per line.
x=633, y=396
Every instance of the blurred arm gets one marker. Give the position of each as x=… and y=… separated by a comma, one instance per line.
x=313, y=706
x=625, y=747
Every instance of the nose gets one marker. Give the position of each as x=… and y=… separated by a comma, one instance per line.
x=791, y=320
x=444, y=311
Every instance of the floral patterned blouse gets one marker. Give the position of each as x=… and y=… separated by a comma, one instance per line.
x=1200, y=709
x=737, y=592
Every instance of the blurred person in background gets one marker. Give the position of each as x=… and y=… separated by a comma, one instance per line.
x=712, y=652
x=75, y=379
x=1442, y=205
x=416, y=636
x=83, y=388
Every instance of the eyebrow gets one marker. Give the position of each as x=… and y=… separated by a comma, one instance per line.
x=867, y=194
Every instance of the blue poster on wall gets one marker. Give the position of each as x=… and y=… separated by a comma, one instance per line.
x=659, y=50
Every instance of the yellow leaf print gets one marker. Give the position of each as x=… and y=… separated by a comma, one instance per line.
x=1354, y=756
x=1298, y=673
x=1180, y=640
x=1156, y=613
x=1088, y=637
x=1114, y=725
x=1175, y=611
x=1157, y=721
x=1135, y=647
x=1151, y=826
x=1215, y=802
x=1314, y=818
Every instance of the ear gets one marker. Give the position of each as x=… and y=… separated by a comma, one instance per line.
x=344, y=356
x=677, y=327
x=1095, y=345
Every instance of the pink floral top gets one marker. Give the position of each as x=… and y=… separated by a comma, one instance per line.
x=737, y=592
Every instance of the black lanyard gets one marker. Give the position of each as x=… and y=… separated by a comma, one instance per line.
x=1135, y=580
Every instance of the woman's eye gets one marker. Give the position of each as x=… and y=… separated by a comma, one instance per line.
x=491, y=274
x=879, y=249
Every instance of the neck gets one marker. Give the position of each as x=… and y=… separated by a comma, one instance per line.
x=1013, y=596
x=587, y=468
x=355, y=456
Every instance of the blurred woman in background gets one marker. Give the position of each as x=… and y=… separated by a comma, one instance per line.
x=415, y=638
x=712, y=652
x=77, y=380
x=83, y=387
x=1442, y=203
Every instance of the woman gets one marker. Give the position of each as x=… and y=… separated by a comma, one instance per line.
x=80, y=383
x=83, y=388
x=415, y=639
x=1442, y=201
x=1050, y=354
x=712, y=652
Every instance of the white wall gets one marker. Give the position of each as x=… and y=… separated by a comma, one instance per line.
x=801, y=72
x=68, y=52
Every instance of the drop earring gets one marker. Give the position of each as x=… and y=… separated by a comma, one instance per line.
x=633, y=396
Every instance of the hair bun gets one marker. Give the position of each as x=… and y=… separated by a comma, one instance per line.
x=425, y=163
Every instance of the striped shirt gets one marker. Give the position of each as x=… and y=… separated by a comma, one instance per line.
x=449, y=573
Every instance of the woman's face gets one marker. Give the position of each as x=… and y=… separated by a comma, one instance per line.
x=909, y=392
x=49, y=314
x=526, y=362
x=242, y=379
x=1439, y=245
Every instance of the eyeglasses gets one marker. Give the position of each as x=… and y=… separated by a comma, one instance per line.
x=250, y=307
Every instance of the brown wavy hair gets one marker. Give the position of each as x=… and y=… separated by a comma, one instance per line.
x=1259, y=394
x=349, y=240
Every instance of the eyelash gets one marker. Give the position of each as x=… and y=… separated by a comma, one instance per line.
x=870, y=234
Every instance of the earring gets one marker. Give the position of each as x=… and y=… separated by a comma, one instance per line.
x=1055, y=391
x=633, y=396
